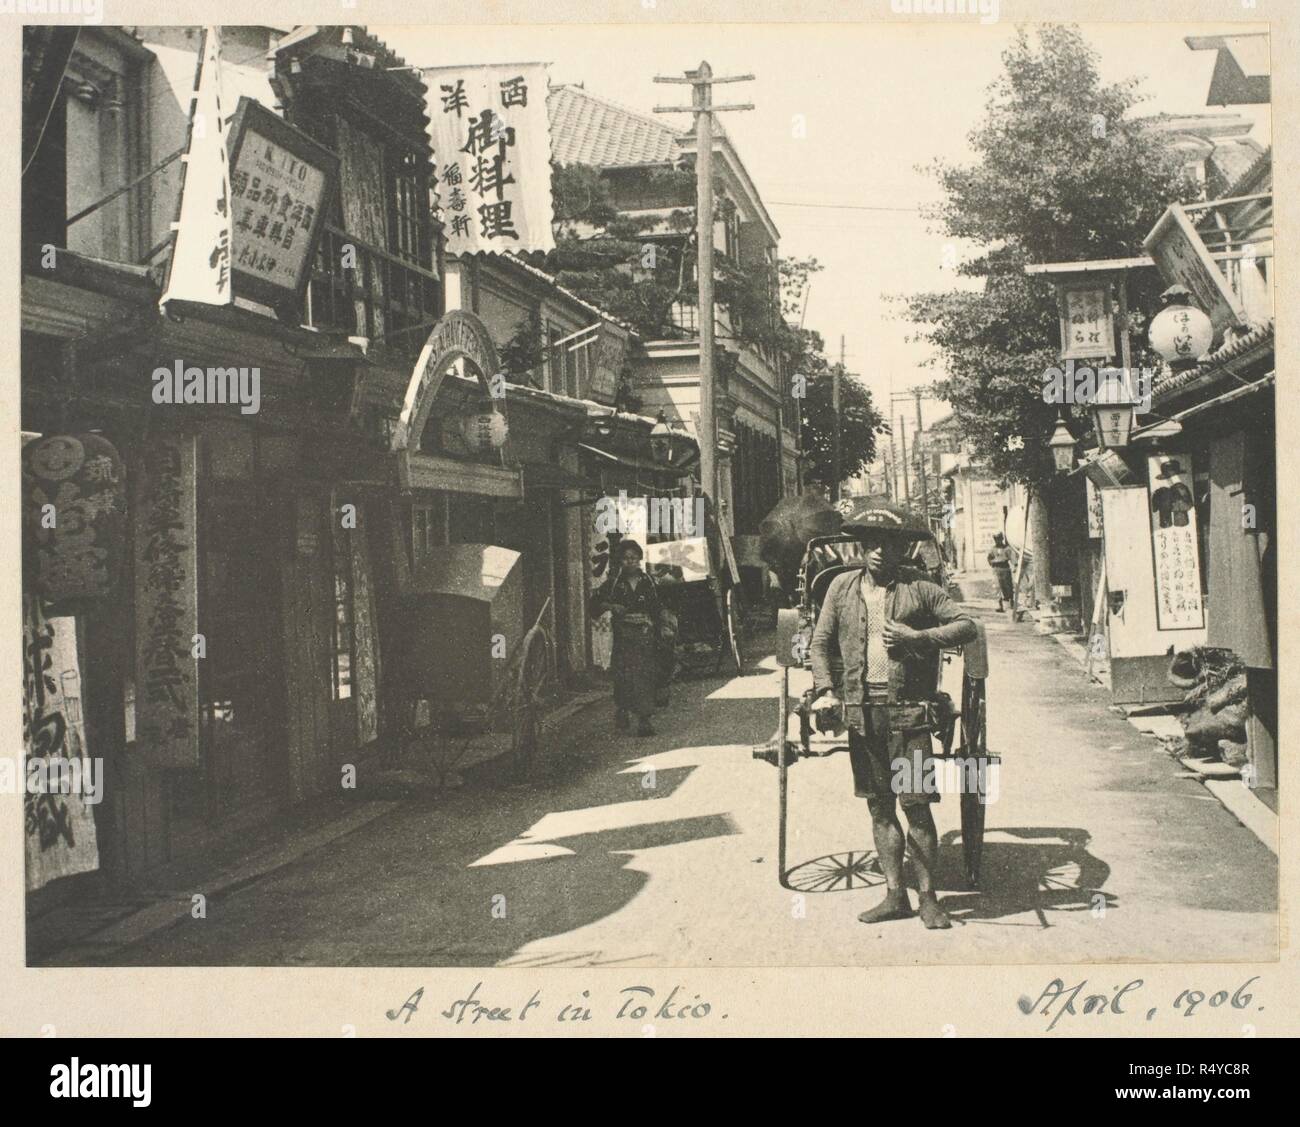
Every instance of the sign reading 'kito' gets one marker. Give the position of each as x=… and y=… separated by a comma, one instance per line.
x=281, y=182
x=166, y=603
x=74, y=492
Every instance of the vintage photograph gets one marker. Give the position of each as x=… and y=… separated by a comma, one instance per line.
x=652, y=496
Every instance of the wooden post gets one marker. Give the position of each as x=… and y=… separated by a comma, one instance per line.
x=702, y=82
x=835, y=410
x=700, y=98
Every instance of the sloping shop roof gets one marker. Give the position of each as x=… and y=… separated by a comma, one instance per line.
x=1173, y=382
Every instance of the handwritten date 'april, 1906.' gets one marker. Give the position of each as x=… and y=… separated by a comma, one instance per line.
x=1058, y=999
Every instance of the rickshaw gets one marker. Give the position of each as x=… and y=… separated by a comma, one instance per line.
x=699, y=583
x=476, y=677
x=824, y=557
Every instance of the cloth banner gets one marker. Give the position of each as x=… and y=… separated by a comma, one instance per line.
x=59, y=823
x=200, y=262
x=492, y=156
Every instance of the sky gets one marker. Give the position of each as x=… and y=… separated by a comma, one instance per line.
x=872, y=101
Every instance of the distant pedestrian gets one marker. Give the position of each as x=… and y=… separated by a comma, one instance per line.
x=1000, y=562
x=638, y=619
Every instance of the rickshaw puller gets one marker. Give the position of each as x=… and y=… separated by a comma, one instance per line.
x=888, y=623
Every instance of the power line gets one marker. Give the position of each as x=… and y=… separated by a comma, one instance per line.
x=841, y=206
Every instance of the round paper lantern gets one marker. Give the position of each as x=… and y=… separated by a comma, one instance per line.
x=484, y=429
x=1181, y=332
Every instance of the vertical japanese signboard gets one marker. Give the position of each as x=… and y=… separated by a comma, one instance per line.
x=492, y=155
x=280, y=185
x=59, y=822
x=609, y=352
x=167, y=602
x=1087, y=324
x=1174, y=543
x=74, y=493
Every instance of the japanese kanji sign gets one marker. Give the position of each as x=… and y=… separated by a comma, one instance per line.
x=280, y=186
x=166, y=603
x=492, y=155
x=1087, y=326
x=74, y=493
x=1179, y=253
x=609, y=352
x=60, y=826
x=199, y=269
x=1174, y=543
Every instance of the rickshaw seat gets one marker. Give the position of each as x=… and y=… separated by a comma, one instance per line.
x=822, y=581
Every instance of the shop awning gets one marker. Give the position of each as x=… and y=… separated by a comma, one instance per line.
x=543, y=475
x=644, y=465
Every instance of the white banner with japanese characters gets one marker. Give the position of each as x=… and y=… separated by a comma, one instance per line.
x=200, y=262
x=492, y=155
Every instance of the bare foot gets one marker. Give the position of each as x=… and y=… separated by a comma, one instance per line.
x=932, y=915
x=895, y=906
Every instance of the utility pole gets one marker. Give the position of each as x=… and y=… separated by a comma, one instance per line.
x=920, y=461
x=902, y=437
x=835, y=426
x=702, y=82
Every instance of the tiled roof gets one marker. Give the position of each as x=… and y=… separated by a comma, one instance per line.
x=586, y=129
x=1231, y=159
x=1257, y=335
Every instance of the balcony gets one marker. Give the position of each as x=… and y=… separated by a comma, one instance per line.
x=388, y=299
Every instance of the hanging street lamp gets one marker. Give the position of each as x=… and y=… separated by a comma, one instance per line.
x=1112, y=409
x=1062, y=446
x=667, y=442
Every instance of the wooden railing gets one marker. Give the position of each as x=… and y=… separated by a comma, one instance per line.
x=364, y=290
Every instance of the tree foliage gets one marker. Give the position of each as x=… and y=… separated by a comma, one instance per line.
x=1063, y=171
x=803, y=353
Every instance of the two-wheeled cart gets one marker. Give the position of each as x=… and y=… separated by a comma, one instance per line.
x=960, y=730
x=474, y=671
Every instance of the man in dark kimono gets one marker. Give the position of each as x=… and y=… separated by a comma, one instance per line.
x=887, y=623
x=630, y=595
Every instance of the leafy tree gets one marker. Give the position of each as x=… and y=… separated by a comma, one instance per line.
x=522, y=355
x=1062, y=172
x=804, y=359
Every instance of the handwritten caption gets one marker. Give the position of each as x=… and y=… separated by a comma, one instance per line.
x=631, y=1003
x=1059, y=1000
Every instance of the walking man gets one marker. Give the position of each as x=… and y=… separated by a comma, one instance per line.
x=1000, y=561
x=888, y=624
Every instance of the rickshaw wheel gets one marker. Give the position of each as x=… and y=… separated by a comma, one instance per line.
x=529, y=689
x=972, y=835
x=735, y=627
x=974, y=741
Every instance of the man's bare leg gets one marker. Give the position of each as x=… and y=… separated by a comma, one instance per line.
x=890, y=844
x=924, y=840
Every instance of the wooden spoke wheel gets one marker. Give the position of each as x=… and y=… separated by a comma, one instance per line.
x=734, y=621
x=973, y=799
x=531, y=684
